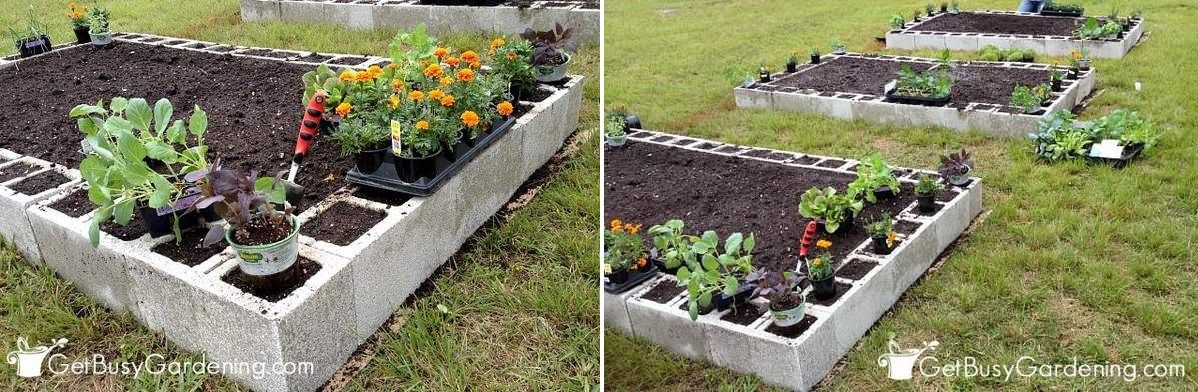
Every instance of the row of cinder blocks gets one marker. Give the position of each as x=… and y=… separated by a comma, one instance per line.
x=1041, y=44
x=356, y=289
x=984, y=117
x=438, y=18
x=801, y=362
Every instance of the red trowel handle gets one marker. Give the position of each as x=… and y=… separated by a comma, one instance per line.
x=310, y=125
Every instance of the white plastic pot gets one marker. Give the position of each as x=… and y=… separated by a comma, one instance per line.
x=616, y=141
x=102, y=38
x=786, y=318
x=554, y=73
x=269, y=259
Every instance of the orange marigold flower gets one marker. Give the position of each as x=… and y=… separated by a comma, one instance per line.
x=511, y=56
x=393, y=102
x=470, y=57
x=346, y=76
x=491, y=53
x=363, y=76
x=445, y=81
x=470, y=118
x=416, y=95
x=434, y=71
x=397, y=85
x=633, y=229
x=440, y=52
x=641, y=262
x=476, y=64
x=817, y=262
x=453, y=61
x=466, y=75
x=616, y=223
x=343, y=109
x=504, y=108
x=495, y=43
x=447, y=101
x=392, y=67
x=422, y=125
x=436, y=94
x=374, y=71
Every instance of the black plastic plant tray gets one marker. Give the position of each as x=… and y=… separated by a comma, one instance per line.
x=1061, y=13
x=386, y=178
x=633, y=280
x=915, y=100
x=1130, y=153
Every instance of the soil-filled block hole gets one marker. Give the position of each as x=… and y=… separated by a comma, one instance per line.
x=793, y=331
x=664, y=291
x=75, y=204
x=190, y=250
x=19, y=169
x=841, y=288
x=40, y=182
x=856, y=269
x=134, y=230
x=342, y=223
x=303, y=269
x=744, y=315
x=1046, y=35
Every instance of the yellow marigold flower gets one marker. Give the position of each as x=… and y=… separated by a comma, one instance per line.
x=374, y=71
x=616, y=223
x=434, y=71
x=397, y=85
x=495, y=43
x=633, y=229
x=440, y=52
x=470, y=57
x=363, y=76
x=447, y=101
x=343, y=109
x=823, y=244
x=466, y=75
x=346, y=76
x=422, y=125
x=491, y=53
x=1077, y=55
x=504, y=108
x=445, y=81
x=453, y=61
x=817, y=262
x=511, y=56
x=416, y=95
x=393, y=102
x=436, y=94
x=470, y=118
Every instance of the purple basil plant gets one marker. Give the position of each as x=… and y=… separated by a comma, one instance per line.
x=246, y=202
x=549, y=45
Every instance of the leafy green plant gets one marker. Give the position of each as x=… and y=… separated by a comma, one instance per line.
x=613, y=126
x=994, y=53
x=740, y=76
x=1023, y=98
x=826, y=204
x=624, y=247
x=1089, y=29
x=323, y=78
x=1111, y=28
x=837, y=45
x=927, y=186
x=815, y=52
x=122, y=139
x=1063, y=7
x=872, y=174
x=897, y=22
x=882, y=227
x=933, y=83
x=671, y=246
x=97, y=17
x=929, y=9
x=358, y=134
x=915, y=15
x=716, y=272
x=955, y=6
x=821, y=266
x=34, y=29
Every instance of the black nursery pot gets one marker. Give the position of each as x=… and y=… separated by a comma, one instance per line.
x=815, y=59
x=618, y=277
x=160, y=225
x=34, y=46
x=1056, y=85
x=741, y=298
x=844, y=225
x=883, y=193
x=824, y=289
x=1073, y=74
x=413, y=169
x=369, y=161
x=879, y=245
x=926, y=203
x=792, y=67
x=632, y=121
x=82, y=35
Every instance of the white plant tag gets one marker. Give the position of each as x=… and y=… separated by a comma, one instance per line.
x=396, y=138
x=84, y=147
x=1108, y=148
x=889, y=86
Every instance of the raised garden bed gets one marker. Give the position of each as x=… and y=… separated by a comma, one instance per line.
x=653, y=178
x=852, y=86
x=970, y=31
x=355, y=276
x=506, y=18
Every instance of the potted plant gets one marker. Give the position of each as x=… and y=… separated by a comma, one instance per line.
x=1024, y=99
x=366, y=141
x=875, y=180
x=837, y=46
x=141, y=161
x=551, y=52
x=713, y=280
x=955, y=8
x=740, y=76
x=955, y=167
x=763, y=74
x=77, y=14
x=615, y=128
x=943, y=7
x=933, y=87
x=624, y=253
x=1082, y=55
x=915, y=16
x=1057, y=78
x=415, y=149
x=897, y=22
x=264, y=237
x=822, y=270
x=671, y=249
x=788, y=305
x=1060, y=8
x=831, y=210
x=792, y=63
x=97, y=18
x=815, y=56
x=881, y=234
x=33, y=39
x=929, y=9
x=925, y=193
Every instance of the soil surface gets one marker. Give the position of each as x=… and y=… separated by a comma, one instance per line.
x=793, y=331
x=981, y=84
x=262, y=231
x=650, y=184
x=744, y=315
x=973, y=22
x=252, y=104
x=135, y=229
x=856, y=269
x=19, y=169
x=190, y=251
x=303, y=268
x=841, y=288
x=74, y=205
x=342, y=223
x=40, y=183
x=663, y=292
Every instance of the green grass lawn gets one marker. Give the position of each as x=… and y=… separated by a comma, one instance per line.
x=1072, y=260
x=520, y=306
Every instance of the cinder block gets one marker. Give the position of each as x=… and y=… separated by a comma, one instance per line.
x=668, y=327
x=260, y=10
x=15, y=228
x=751, y=98
x=961, y=42
x=929, y=41
x=902, y=40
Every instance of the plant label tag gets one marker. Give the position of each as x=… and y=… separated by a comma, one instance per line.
x=1108, y=148
x=396, y=138
x=34, y=44
x=889, y=87
x=182, y=204
x=84, y=147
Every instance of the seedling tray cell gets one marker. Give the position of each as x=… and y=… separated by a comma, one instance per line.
x=385, y=177
x=633, y=281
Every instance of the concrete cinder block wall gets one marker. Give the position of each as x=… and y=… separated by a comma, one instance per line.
x=355, y=291
x=388, y=14
x=987, y=118
x=1051, y=45
x=15, y=227
x=801, y=362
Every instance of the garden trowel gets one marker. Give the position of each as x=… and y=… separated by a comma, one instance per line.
x=307, y=133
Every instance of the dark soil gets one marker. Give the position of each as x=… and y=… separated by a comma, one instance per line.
x=663, y=292
x=189, y=251
x=906, y=227
x=744, y=315
x=342, y=223
x=856, y=269
x=40, y=183
x=74, y=205
x=981, y=84
x=303, y=270
x=252, y=104
x=135, y=229
x=19, y=169
x=793, y=331
x=262, y=232
x=972, y=22
x=382, y=196
x=651, y=184
x=841, y=288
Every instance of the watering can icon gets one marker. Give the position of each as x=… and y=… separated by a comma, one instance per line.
x=902, y=361
x=29, y=360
